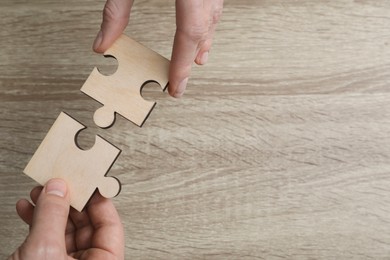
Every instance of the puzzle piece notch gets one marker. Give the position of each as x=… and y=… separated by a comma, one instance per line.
x=58, y=156
x=121, y=92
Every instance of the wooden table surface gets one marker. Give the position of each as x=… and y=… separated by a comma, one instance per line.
x=280, y=148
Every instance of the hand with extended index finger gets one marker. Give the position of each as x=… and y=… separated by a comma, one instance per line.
x=196, y=21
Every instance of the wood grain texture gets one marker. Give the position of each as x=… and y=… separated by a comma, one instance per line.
x=279, y=148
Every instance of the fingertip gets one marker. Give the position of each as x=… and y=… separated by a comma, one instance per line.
x=202, y=58
x=35, y=192
x=25, y=210
x=21, y=205
x=97, y=43
x=171, y=91
x=178, y=90
x=56, y=187
x=105, y=38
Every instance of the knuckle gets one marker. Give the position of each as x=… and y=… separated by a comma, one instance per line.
x=217, y=15
x=54, y=207
x=112, y=12
x=43, y=249
x=196, y=32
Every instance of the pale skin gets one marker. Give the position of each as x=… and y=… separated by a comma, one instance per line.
x=60, y=232
x=196, y=22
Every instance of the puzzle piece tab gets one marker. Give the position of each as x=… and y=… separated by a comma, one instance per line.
x=121, y=92
x=59, y=157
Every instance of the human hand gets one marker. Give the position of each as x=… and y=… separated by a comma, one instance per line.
x=59, y=233
x=196, y=21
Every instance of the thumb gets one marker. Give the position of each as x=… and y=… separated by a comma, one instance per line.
x=51, y=213
x=116, y=15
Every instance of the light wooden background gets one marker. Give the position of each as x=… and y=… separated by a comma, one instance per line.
x=279, y=149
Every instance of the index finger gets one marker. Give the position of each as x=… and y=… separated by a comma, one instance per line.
x=107, y=224
x=190, y=30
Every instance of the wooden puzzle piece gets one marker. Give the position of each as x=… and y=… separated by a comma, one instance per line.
x=121, y=92
x=59, y=157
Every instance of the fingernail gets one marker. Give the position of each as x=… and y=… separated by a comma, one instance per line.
x=98, y=40
x=56, y=187
x=204, y=58
x=180, y=88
